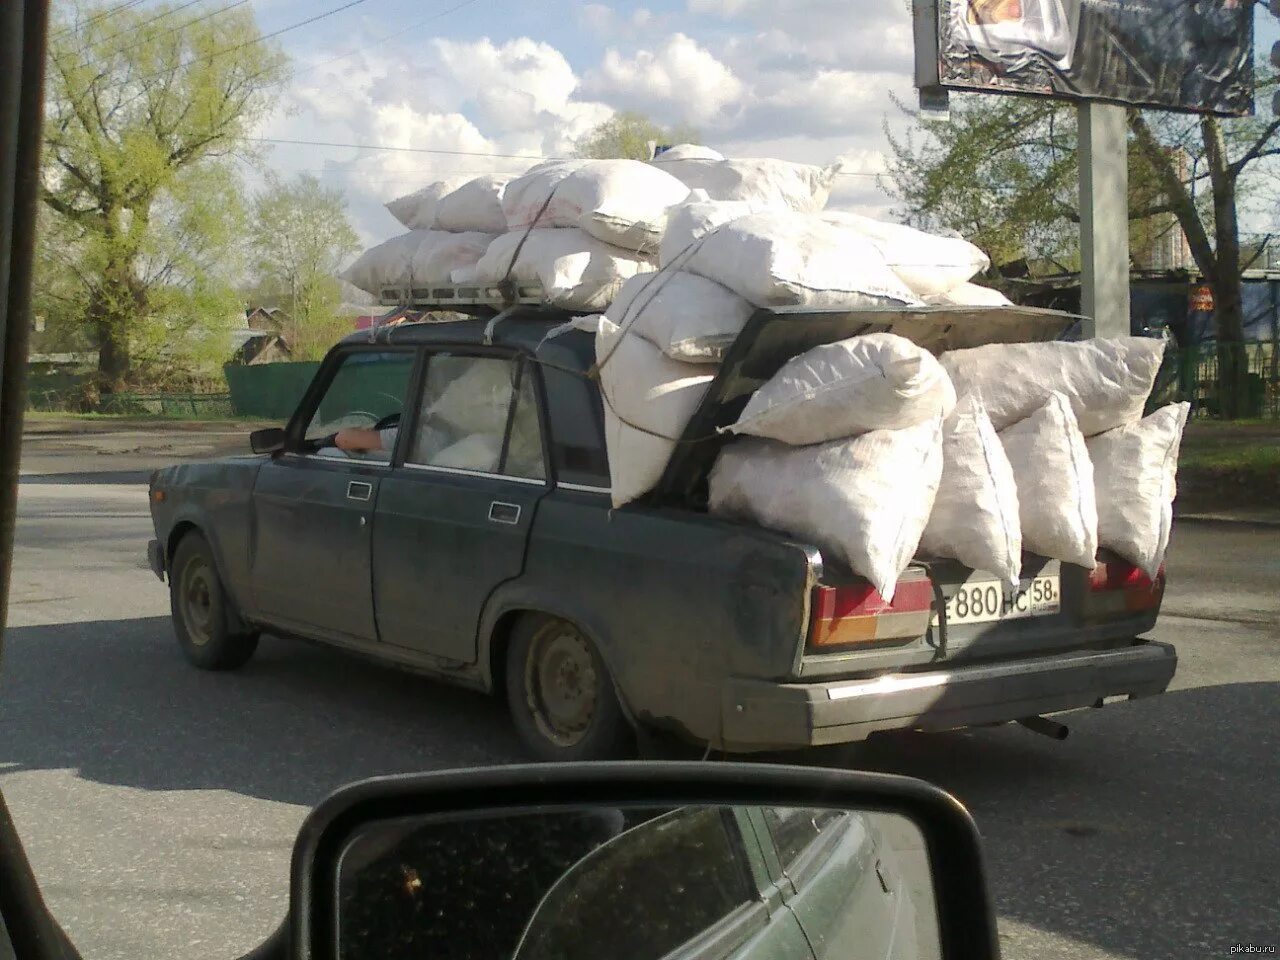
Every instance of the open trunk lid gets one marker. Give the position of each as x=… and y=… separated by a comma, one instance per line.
x=772, y=337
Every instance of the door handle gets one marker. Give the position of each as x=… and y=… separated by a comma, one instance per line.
x=359, y=490
x=501, y=512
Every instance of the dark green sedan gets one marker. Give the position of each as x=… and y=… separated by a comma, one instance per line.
x=440, y=501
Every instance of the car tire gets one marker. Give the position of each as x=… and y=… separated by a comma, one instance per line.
x=203, y=617
x=561, y=695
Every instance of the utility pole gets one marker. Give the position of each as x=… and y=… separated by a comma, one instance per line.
x=1104, y=218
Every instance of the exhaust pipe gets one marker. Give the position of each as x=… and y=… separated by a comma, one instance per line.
x=1050, y=728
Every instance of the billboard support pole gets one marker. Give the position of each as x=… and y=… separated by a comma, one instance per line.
x=1104, y=218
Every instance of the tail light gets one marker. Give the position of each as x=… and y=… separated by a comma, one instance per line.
x=1120, y=587
x=841, y=616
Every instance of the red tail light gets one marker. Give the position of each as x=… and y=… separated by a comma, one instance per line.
x=1125, y=581
x=840, y=616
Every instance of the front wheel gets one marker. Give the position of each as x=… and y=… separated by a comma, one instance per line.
x=561, y=695
x=202, y=616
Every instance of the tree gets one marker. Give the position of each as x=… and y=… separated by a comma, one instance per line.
x=1004, y=173
x=626, y=135
x=300, y=236
x=143, y=121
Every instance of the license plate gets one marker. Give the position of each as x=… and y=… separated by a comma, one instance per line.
x=983, y=601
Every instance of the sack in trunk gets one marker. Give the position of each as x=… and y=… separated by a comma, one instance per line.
x=863, y=501
x=1057, y=506
x=1134, y=473
x=878, y=381
x=975, y=515
x=1106, y=381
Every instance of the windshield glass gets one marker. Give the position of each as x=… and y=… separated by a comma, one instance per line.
x=903, y=555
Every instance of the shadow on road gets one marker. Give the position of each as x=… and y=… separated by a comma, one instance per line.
x=116, y=701
x=1130, y=838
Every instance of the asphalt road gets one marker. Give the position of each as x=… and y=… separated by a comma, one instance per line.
x=159, y=804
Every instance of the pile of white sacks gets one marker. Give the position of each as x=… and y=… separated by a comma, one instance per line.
x=581, y=228
x=863, y=448
x=870, y=448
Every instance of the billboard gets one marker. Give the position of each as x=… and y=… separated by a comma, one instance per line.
x=1192, y=55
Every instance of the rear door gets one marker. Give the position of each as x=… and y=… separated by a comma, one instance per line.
x=453, y=519
x=313, y=507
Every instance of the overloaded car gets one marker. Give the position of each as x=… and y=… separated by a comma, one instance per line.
x=440, y=500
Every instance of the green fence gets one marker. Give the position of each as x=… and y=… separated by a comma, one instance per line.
x=193, y=406
x=1191, y=374
x=269, y=391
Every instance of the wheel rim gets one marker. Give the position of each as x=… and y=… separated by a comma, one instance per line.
x=561, y=684
x=197, y=601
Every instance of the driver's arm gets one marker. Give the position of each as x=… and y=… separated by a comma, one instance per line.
x=358, y=440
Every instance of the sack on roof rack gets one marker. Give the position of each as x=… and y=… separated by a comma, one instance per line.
x=576, y=271
x=621, y=202
x=416, y=258
x=417, y=210
x=774, y=184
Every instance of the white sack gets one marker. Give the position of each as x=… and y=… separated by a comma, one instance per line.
x=417, y=210
x=928, y=264
x=649, y=399
x=476, y=402
x=1106, y=381
x=576, y=271
x=794, y=259
x=970, y=295
x=775, y=184
x=418, y=257
x=863, y=500
x=686, y=222
x=975, y=515
x=622, y=202
x=1057, y=506
x=685, y=316
x=476, y=205
x=1134, y=469
x=688, y=151
x=878, y=381
x=479, y=451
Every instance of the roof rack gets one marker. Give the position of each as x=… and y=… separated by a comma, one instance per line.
x=446, y=296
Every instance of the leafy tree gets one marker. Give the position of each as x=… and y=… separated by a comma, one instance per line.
x=626, y=135
x=144, y=117
x=299, y=237
x=1004, y=172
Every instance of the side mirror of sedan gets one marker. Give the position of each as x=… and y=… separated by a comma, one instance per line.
x=267, y=440
x=639, y=861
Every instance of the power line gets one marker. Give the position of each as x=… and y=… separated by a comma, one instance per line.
x=177, y=29
x=100, y=15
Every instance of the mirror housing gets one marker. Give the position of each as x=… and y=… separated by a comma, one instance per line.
x=951, y=852
x=267, y=440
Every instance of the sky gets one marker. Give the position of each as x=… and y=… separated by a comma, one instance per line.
x=807, y=80
x=798, y=79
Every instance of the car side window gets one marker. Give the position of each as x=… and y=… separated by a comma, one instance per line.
x=794, y=828
x=645, y=893
x=367, y=392
x=479, y=414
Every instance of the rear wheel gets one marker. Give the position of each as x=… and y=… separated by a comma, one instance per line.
x=202, y=615
x=561, y=695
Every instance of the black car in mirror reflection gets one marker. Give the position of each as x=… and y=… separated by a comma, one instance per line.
x=746, y=882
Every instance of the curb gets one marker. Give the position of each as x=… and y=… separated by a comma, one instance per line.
x=1262, y=521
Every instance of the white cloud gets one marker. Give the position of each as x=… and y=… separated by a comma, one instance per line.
x=680, y=80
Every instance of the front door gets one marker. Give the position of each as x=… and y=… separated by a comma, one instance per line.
x=453, y=520
x=314, y=506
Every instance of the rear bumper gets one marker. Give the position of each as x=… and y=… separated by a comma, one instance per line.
x=155, y=558
x=760, y=715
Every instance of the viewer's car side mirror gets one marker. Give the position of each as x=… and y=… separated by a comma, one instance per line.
x=638, y=861
x=268, y=440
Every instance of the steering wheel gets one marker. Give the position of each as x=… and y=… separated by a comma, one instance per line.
x=390, y=420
